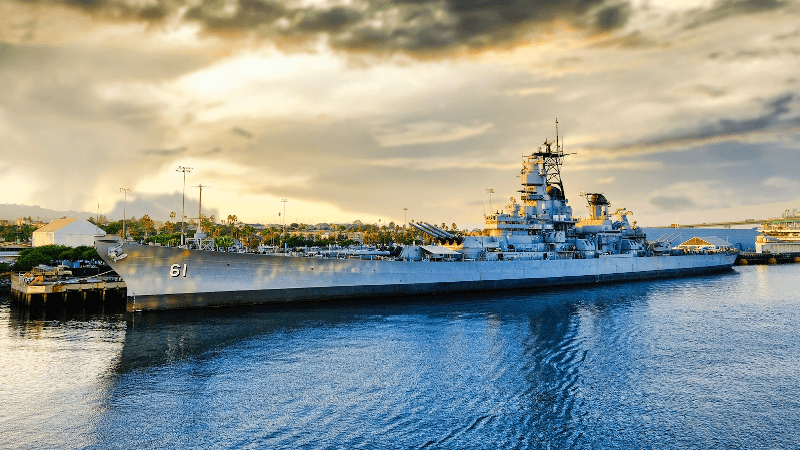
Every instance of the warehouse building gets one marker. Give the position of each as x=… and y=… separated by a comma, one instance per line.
x=70, y=232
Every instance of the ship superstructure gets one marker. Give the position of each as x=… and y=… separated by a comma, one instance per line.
x=541, y=226
x=533, y=242
x=779, y=236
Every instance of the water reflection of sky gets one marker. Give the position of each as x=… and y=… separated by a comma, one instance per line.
x=705, y=362
x=54, y=377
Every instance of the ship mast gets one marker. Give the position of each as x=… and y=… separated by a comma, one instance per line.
x=552, y=159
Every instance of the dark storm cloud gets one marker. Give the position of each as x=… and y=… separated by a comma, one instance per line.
x=373, y=24
x=611, y=17
x=775, y=109
x=749, y=54
x=779, y=112
x=785, y=36
x=333, y=19
x=242, y=132
x=163, y=151
x=478, y=23
x=115, y=9
x=250, y=14
x=727, y=8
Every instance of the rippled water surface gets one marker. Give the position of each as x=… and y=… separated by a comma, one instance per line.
x=711, y=362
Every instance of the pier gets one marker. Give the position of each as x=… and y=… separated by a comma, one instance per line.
x=66, y=291
x=746, y=258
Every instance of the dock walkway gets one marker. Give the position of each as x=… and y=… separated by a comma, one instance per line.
x=28, y=290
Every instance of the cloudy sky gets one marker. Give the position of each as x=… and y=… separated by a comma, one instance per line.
x=683, y=111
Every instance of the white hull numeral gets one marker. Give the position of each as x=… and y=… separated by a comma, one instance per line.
x=175, y=270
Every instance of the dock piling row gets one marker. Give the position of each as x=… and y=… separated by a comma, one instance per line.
x=65, y=292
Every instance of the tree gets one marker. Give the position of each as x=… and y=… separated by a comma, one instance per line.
x=147, y=225
x=113, y=227
x=247, y=235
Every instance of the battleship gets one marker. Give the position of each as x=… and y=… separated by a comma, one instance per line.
x=532, y=243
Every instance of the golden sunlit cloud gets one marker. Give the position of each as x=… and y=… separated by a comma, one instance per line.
x=349, y=107
x=429, y=132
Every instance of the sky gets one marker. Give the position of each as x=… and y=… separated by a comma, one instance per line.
x=398, y=110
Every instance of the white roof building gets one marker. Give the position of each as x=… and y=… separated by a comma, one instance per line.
x=705, y=243
x=70, y=232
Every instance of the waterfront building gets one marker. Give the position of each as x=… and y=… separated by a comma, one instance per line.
x=72, y=232
x=9, y=251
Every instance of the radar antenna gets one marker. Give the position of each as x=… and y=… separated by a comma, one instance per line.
x=557, y=147
x=551, y=161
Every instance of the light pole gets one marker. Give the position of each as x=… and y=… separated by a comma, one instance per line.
x=490, y=191
x=183, y=205
x=200, y=207
x=405, y=217
x=283, y=235
x=124, y=212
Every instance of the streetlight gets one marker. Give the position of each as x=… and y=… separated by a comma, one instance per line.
x=283, y=234
x=124, y=211
x=200, y=207
x=183, y=206
x=405, y=217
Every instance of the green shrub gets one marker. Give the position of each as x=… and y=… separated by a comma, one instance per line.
x=50, y=254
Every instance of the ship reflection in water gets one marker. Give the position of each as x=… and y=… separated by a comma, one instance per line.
x=706, y=362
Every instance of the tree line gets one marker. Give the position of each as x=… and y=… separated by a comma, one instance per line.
x=11, y=232
x=51, y=255
x=295, y=234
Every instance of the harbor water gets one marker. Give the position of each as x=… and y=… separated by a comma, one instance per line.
x=708, y=362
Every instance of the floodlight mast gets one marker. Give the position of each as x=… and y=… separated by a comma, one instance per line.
x=183, y=205
x=124, y=212
x=200, y=205
x=283, y=235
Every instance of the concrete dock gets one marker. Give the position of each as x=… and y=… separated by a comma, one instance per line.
x=28, y=290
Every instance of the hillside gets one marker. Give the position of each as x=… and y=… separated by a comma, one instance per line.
x=12, y=212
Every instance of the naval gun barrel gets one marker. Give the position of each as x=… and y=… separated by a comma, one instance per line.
x=427, y=229
x=433, y=231
x=439, y=231
x=436, y=232
x=430, y=230
x=421, y=228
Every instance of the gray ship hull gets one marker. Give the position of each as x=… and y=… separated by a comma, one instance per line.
x=170, y=278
